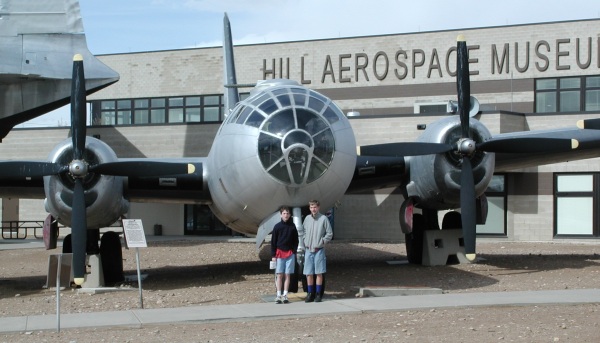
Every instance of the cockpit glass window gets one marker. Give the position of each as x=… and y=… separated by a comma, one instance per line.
x=296, y=144
x=316, y=169
x=269, y=150
x=280, y=123
x=324, y=146
x=279, y=91
x=255, y=119
x=259, y=100
x=235, y=114
x=309, y=121
x=244, y=114
x=298, y=158
x=297, y=137
x=299, y=99
x=284, y=100
x=331, y=115
x=316, y=104
x=271, y=157
x=268, y=106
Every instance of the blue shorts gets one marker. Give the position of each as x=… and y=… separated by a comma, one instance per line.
x=286, y=265
x=315, y=262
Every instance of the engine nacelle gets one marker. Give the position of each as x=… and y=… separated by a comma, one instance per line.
x=103, y=194
x=435, y=179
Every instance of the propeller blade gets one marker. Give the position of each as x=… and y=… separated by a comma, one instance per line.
x=463, y=84
x=79, y=232
x=468, y=208
x=22, y=169
x=593, y=124
x=528, y=145
x=78, y=108
x=403, y=149
x=142, y=168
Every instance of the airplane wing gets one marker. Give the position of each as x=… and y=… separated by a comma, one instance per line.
x=86, y=175
x=376, y=172
x=588, y=142
x=453, y=161
x=37, y=42
x=285, y=144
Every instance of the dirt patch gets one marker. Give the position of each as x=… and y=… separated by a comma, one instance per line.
x=198, y=273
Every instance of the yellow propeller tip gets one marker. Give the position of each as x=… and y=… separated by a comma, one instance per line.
x=191, y=168
x=581, y=124
x=79, y=281
x=77, y=57
x=460, y=38
x=574, y=144
x=471, y=257
x=358, y=150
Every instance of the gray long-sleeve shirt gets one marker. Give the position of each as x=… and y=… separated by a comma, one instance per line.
x=315, y=232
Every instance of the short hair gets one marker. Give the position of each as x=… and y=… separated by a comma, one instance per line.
x=284, y=208
x=314, y=202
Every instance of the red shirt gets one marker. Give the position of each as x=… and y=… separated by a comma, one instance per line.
x=283, y=253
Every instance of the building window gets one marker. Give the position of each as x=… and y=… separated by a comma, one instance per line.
x=495, y=224
x=567, y=94
x=181, y=109
x=575, y=204
x=199, y=220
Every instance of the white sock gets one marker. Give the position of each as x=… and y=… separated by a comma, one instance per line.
x=285, y=292
x=278, y=293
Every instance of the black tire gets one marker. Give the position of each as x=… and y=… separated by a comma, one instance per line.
x=112, y=258
x=67, y=247
x=452, y=220
x=414, y=240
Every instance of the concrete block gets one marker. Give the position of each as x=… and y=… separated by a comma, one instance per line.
x=438, y=245
x=95, y=278
x=394, y=291
x=66, y=273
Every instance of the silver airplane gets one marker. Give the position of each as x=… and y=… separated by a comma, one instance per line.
x=287, y=144
x=37, y=41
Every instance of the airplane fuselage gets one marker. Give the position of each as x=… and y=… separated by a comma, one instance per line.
x=284, y=145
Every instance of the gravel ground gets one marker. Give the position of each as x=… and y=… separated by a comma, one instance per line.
x=199, y=273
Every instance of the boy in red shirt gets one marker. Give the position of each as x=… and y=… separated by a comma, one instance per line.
x=284, y=244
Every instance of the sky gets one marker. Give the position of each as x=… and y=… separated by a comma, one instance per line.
x=122, y=26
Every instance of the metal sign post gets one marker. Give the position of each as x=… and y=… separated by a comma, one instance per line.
x=58, y=293
x=135, y=238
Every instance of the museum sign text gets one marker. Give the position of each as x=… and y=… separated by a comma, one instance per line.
x=517, y=57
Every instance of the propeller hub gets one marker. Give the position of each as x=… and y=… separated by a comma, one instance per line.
x=466, y=146
x=78, y=168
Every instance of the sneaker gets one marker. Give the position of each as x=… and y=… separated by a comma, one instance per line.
x=285, y=299
x=278, y=299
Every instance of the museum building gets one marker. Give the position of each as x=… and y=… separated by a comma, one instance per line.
x=525, y=77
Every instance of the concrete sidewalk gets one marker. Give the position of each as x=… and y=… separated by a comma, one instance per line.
x=267, y=311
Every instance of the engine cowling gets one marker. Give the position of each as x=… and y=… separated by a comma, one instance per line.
x=435, y=179
x=103, y=194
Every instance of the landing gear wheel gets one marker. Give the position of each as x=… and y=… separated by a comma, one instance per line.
x=452, y=220
x=414, y=240
x=67, y=245
x=112, y=258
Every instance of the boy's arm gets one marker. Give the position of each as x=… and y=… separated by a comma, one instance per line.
x=295, y=240
x=273, y=242
x=328, y=231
